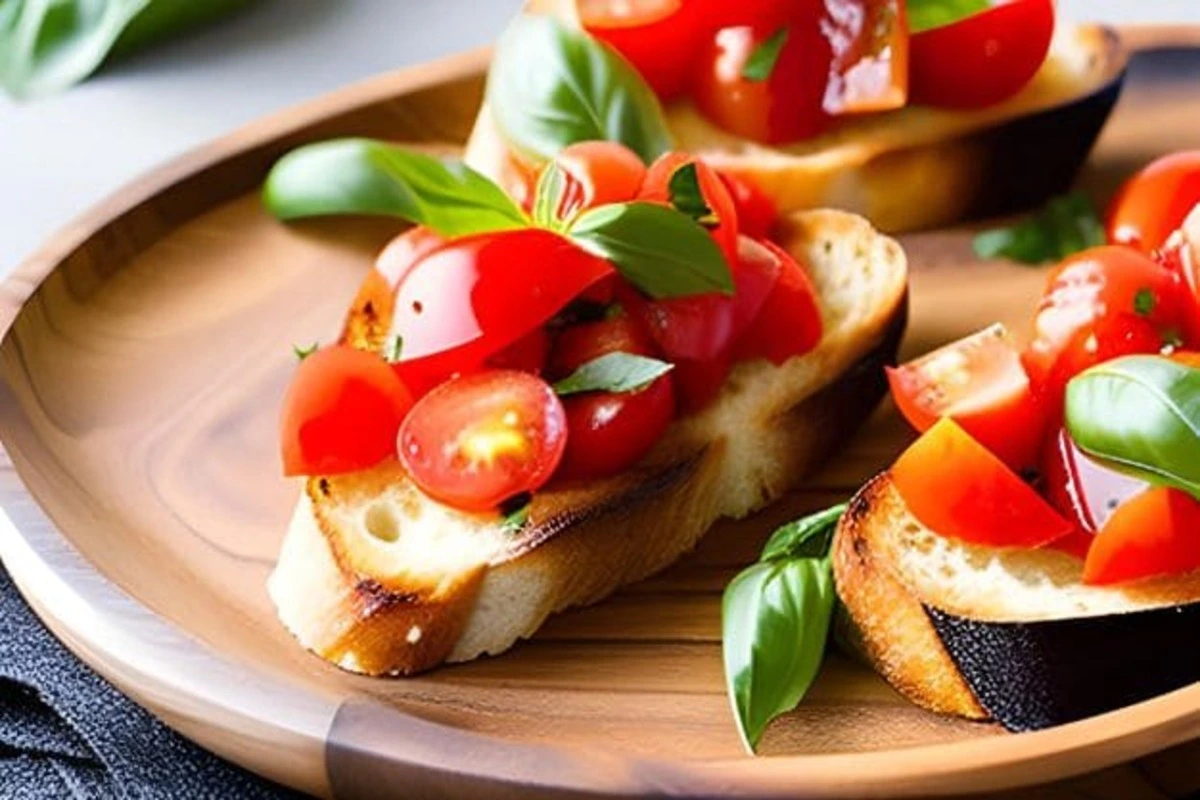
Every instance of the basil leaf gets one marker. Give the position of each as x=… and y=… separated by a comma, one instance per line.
x=613, y=372
x=804, y=538
x=551, y=86
x=548, y=199
x=688, y=198
x=926, y=14
x=1065, y=225
x=364, y=176
x=49, y=45
x=775, y=619
x=1140, y=415
x=657, y=249
x=762, y=60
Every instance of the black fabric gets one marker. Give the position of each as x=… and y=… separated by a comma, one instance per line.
x=67, y=733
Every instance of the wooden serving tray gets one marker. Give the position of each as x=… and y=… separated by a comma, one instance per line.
x=147, y=348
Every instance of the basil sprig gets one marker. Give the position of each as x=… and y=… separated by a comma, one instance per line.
x=364, y=176
x=551, y=86
x=926, y=14
x=1065, y=225
x=762, y=60
x=775, y=620
x=1141, y=416
x=613, y=372
x=687, y=196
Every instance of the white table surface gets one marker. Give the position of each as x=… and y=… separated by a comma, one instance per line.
x=60, y=155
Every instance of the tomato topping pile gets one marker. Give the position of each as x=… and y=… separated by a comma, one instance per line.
x=505, y=358
x=998, y=437
x=778, y=71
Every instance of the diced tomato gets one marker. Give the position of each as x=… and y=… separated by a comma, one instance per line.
x=401, y=253
x=756, y=212
x=1152, y=534
x=478, y=440
x=789, y=322
x=1154, y=203
x=982, y=59
x=1180, y=257
x=657, y=189
x=586, y=341
x=980, y=383
x=660, y=38
x=698, y=383
x=598, y=173
x=869, y=39
x=788, y=104
x=958, y=489
x=475, y=296
x=341, y=413
x=1082, y=490
x=527, y=354
x=1099, y=304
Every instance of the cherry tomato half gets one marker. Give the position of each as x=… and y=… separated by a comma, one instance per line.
x=610, y=431
x=1154, y=203
x=978, y=382
x=657, y=189
x=1099, y=304
x=478, y=440
x=958, y=489
x=475, y=296
x=598, y=173
x=1150, y=535
x=788, y=104
x=982, y=59
x=659, y=38
x=341, y=413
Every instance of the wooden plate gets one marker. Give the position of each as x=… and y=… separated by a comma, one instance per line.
x=146, y=351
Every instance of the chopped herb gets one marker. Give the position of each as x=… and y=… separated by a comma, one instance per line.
x=761, y=63
x=304, y=352
x=1065, y=225
x=514, y=512
x=395, y=349
x=688, y=198
x=1143, y=302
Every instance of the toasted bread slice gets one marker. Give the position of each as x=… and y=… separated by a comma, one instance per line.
x=377, y=578
x=914, y=167
x=1011, y=634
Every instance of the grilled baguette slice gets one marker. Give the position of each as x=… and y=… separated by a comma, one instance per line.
x=914, y=167
x=379, y=579
x=1007, y=634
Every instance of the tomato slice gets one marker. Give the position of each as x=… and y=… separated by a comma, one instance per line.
x=789, y=104
x=608, y=432
x=473, y=297
x=1081, y=489
x=660, y=38
x=657, y=189
x=958, y=489
x=598, y=173
x=869, y=39
x=1150, y=535
x=980, y=383
x=756, y=212
x=478, y=440
x=982, y=59
x=403, y=252
x=341, y=413
x=1098, y=304
x=789, y=322
x=1152, y=204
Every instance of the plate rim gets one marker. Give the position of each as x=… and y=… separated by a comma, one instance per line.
x=85, y=609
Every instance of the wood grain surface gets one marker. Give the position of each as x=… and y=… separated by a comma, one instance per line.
x=147, y=349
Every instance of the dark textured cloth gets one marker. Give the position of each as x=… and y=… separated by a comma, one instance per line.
x=67, y=733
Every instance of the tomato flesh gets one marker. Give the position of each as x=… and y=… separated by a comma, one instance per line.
x=958, y=489
x=598, y=173
x=659, y=38
x=1150, y=535
x=400, y=255
x=478, y=440
x=1179, y=257
x=341, y=413
x=756, y=212
x=788, y=323
x=982, y=59
x=869, y=40
x=656, y=188
x=1153, y=204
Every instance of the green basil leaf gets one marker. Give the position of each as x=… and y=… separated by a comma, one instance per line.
x=926, y=14
x=49, y=45
x=551, y=86
x=613, y=372
x=363, y=176
x=1065, y=225
x=548, y=199
x=688, y=198
x=775, y=620
x=762, y=60
x=657, y=249
x=805, y=538
x=1140, y=415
